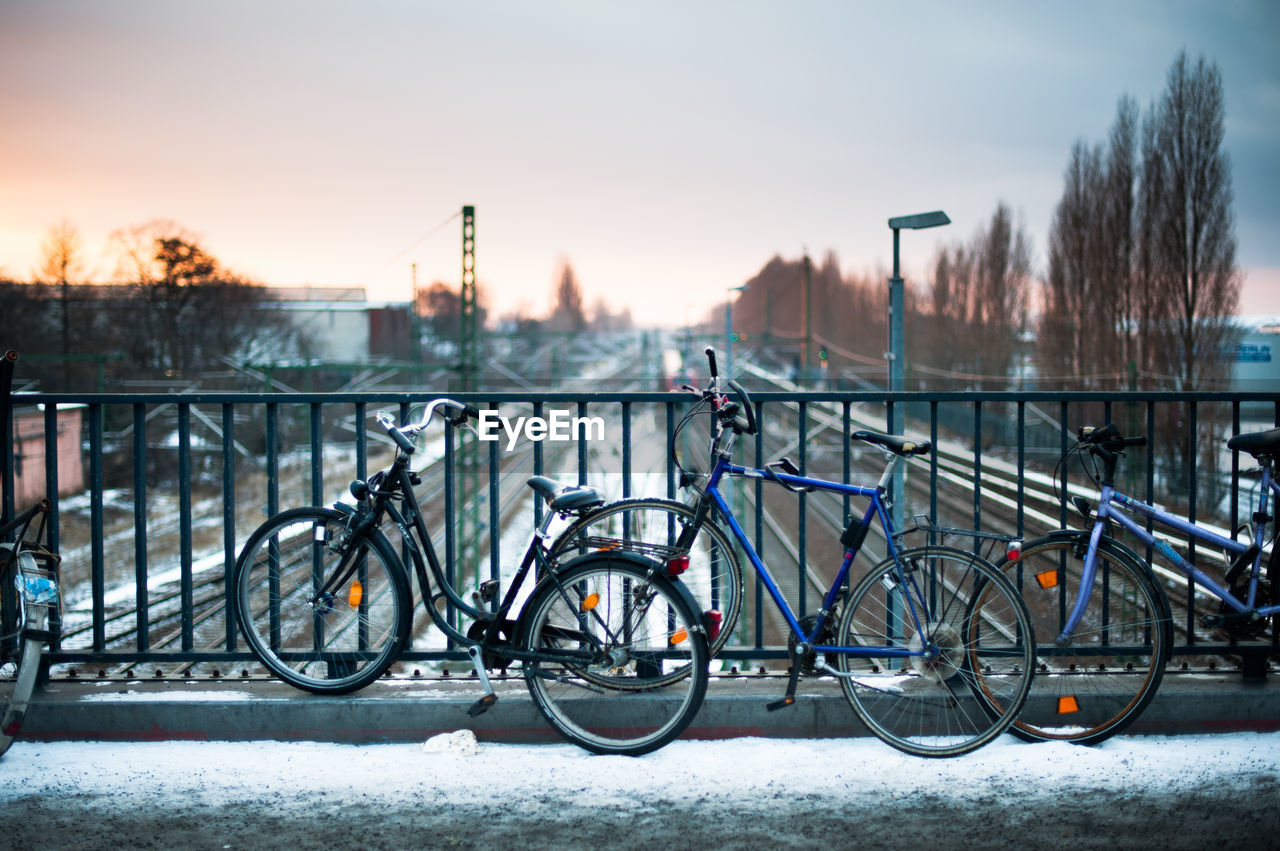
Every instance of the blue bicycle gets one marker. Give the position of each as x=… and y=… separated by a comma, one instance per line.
x=933, y=646
x=1103, y=621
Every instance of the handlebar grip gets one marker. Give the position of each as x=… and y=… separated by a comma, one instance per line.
x=405, y=444
x=1088, y=434
x=461, y=412
x=1135, y=441
x=711, y=356
x=741, y=424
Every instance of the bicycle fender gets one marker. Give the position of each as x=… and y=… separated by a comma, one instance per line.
x=1111, y=546
x=655, y=569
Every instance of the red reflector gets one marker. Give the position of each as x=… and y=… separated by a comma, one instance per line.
x=677, y=565
x=1015, y=551
x=713, y=619
x=13, y=728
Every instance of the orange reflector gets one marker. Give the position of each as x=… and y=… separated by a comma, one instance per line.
x=355, y=594
x=1067, y=705
x=1048, y=579
x=589, y=602
x=679, y=636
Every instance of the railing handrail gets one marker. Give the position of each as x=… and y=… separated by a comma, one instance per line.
x=235, y=402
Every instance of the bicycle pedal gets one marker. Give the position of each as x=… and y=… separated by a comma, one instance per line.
x=482, y=705
x=780, y=704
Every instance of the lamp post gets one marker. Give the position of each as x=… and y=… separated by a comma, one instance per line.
x=728, y=328
x=897, y=349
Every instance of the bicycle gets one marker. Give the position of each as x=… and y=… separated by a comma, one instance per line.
x=29, y=598
x=1105, y=653
x=933, y=647
x=610, y=643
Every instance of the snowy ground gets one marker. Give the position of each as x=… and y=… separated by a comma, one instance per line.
x=1131, y=792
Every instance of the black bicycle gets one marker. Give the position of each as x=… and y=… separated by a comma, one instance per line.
x=610, y=642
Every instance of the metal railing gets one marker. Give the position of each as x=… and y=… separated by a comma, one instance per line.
x=176, y=482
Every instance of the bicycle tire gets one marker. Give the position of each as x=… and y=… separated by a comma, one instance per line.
x=645, y=624
x=349, y=638
x=20, y=652
x=18, y=672
x=972, y=690
x=1096, y=686
x=714, y=576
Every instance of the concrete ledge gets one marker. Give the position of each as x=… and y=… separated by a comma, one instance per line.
x=404, y=710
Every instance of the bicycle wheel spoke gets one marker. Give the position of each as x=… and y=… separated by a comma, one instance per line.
x=1095, y=686
x=315, y=622
x=971, y=657
x=626, y=700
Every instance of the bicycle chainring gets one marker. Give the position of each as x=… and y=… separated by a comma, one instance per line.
x=808, y=661
x=1239, y=629
x=492, y=658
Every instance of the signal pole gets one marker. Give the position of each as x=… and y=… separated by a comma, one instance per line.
x=469, y=366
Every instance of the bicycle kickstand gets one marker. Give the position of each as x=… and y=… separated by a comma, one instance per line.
x=488, y=698
x=789, y=698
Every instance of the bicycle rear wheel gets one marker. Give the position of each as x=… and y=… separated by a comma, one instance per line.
x=619, y=632
x=977, y=645
x=714, y=576
x=1106, y=676
x=327, y=641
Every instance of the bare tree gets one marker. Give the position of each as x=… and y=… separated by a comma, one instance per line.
x=978, y=302
x=184, y=310
x=1191, y=227
x=61, y=261
x=1192, y=276
x=568, y=315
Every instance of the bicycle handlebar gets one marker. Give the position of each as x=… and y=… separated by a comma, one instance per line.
x=741, y=424
x=1107, y=441
x=44, y=506
x=405, y=435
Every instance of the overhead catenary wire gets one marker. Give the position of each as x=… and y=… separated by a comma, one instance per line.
x=387, y=264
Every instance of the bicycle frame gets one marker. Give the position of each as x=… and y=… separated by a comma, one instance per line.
x=876, y=508
x=1113, y=505
x=413, y=532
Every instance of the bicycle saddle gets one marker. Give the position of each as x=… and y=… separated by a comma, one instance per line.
x=1257, y=443
x=896, y=444
x=565, y=498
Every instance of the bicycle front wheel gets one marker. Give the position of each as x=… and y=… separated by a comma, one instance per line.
x=1107, y=673
x=949, y=652
x=714, y=576
x=20, y=649
x=312, y=632
x=19, y=664
x=609, y=636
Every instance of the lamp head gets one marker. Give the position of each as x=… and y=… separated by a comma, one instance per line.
x=920, y=221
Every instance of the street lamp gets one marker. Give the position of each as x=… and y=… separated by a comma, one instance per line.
x=728, y=328
x=897, y=357
x=897, y=350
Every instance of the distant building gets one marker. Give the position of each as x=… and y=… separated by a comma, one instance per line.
x=1256, y=358
x=340, y=324
x=29, y=453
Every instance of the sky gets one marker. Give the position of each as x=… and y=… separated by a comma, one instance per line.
x=666, y=150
